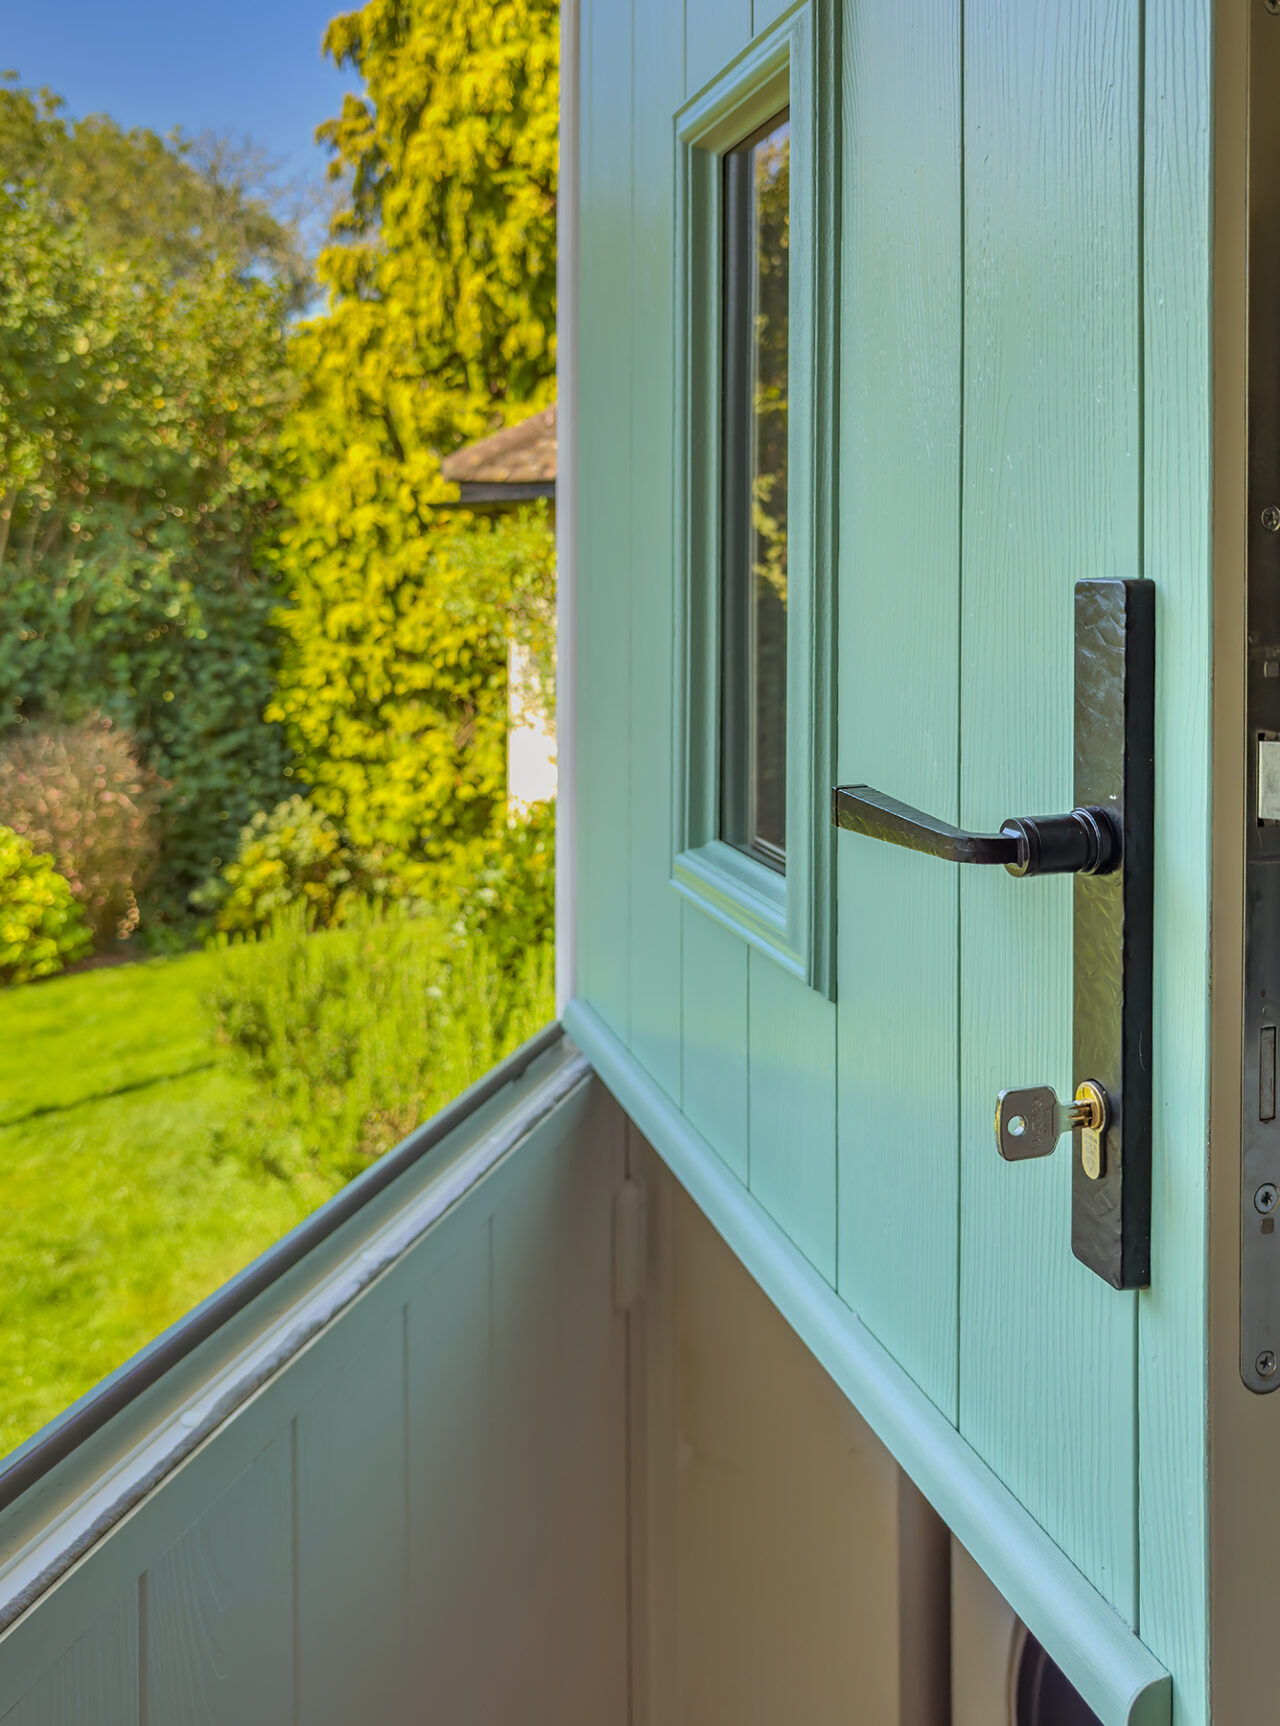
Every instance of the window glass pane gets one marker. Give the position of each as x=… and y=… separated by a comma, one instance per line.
x=754, y=519
x=277, y=756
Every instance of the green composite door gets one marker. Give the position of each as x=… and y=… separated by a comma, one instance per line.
x=990, y=457
x=1006, y=323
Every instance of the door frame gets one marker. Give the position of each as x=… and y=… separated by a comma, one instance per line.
x=1244, y=1428
x=567, y=302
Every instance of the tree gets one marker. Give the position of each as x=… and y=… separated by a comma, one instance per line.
x=142, y=387
x=176, y=205
x=439, y=328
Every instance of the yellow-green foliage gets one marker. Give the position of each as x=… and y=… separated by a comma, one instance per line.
x=42, y=928
x=443, y=280
x=440, y=327
x=294, y=855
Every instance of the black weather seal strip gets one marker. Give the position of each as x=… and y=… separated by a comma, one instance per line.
x=90, y=1414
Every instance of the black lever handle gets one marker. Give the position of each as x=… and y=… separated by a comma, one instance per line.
x=1084, y=842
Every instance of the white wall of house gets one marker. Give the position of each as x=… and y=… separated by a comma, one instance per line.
x=531, y=737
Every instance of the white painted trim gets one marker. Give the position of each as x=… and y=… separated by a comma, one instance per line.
x=111, y=1493
x=567, y=510
x=1118, y=1676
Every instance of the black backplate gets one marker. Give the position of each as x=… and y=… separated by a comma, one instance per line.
x=1114, y=767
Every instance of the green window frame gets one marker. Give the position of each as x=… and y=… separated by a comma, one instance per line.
x=783, y=907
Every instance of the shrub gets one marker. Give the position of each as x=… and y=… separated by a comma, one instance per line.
x=41, y=925
x=499, y=886
x=293, y=856
x=356, y=1034
x=503, y=888
x=77, y=792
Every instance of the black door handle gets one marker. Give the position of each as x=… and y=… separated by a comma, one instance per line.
x=1086, y=841
x=1106, y=842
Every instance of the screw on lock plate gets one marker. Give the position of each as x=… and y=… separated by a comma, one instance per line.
x=1030, y=1122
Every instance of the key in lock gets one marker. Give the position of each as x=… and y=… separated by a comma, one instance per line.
x=1030, y=1122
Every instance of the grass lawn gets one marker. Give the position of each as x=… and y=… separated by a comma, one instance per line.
x=116, y=1216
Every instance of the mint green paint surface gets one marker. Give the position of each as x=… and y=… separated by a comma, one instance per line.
x=1022, y=399
x=654, y=913
x=713, y=35
x=716, y=1031
x=1051, y=492
x=1172, y=1388
x=606, y=522
x=792, y=1104
x=898, y=577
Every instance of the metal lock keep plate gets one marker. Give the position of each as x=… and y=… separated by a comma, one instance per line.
x=1260, y=1126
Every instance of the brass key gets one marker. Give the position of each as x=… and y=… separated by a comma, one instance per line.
x=1030, y=1122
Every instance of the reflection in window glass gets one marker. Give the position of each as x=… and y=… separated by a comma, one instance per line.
x=754, y=502
x=276, y=716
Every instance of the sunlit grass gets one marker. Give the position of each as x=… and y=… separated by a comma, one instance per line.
x=115, y=1214
x=144, y=1159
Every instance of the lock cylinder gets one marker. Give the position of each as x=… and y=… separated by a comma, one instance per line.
x=1029, y=1123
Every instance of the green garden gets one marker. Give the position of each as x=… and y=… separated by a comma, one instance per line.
x=263, y=905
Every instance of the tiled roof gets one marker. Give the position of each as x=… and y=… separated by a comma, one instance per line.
x=519, y=460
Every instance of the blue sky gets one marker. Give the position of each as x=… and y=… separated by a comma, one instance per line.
x=246, y=66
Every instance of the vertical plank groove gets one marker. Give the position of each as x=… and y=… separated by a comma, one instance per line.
x=216, y=1608
x=453, y=1444
x=715, y=32
x=958, y=789
x=791, y=1067
x=95, y=1681
x=1051, y=493
x=295, y=1639
x=898, y=694
x=144, y=1710
x=351, y=1532
x=557, y=1488
x=716, y=1038
x=654, y=953
x=605, y=502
